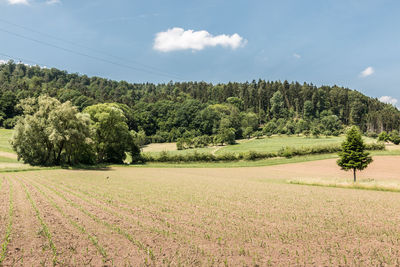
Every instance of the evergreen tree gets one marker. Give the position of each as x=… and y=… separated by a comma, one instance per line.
x=353, y=155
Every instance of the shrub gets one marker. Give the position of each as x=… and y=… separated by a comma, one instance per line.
x=383, y=136
x=10, y=122
x=180, y=144
x=252, y=155
x=258, y=134
x=372, y=134
x=394, y=137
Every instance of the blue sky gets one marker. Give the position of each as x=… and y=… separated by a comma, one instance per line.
x=352, y=43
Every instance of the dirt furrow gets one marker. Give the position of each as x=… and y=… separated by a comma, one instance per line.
x=189, y=241
x=28, y=246
x=4, y=207
x=154, y=239
x=166, y=247
x=120, y=250
x=160, y=222
x=73, y=247
x=7, y=217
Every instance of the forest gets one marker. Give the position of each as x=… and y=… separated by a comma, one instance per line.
x=219, y=113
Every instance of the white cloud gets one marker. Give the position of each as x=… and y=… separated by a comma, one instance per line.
x=179, y=39
x=18, y=2
x=388, y=100
x=367, y=72
x=2, y=61
x=295, y=55
x=27, y=2
x=52, y=2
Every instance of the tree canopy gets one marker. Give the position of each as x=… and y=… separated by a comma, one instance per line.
x=53, y=133
x=111, y=135
x=169, y=111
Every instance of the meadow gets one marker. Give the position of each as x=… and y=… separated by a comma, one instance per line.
x=265, y=144
x=296, y=211
x=257, y=216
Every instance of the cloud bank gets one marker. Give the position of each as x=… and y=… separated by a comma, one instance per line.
x=26, y=2
x=18, y=2
x=53, y=2
x=388, y=100
x=367, y=72
x=178, y=39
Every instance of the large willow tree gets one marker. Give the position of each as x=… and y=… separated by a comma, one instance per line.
x=52, y=133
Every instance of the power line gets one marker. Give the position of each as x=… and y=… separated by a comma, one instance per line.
x=89, y=56
x=21, y=59
x=86, y=47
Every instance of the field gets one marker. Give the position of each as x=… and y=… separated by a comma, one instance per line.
x=271, y=144
x=237, y=216
x=297, y=211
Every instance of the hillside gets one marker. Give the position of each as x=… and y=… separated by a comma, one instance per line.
x=167, y=112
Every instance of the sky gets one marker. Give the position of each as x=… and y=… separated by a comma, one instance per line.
x=350, y=43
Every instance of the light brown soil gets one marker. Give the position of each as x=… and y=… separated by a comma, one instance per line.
x=383, y=167
x=28, y=247
x=4, y=207
x=209, y=216
x=113, y=243
x=8, y=155
x=145, y=226
x=73, y=247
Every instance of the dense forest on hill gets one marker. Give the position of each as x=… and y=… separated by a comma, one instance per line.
x=167, y=112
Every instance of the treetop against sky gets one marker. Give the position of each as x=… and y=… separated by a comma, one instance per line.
x=349, y=43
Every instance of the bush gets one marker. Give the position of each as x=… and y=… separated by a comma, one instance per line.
x=258, y=134
x=372, y=134
x=180, y=144
x=10, y=122
x=252, y=155
x=394, y=137
x=383, y=136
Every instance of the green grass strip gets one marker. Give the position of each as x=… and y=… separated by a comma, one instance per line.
x=356, y=186
x=82, y=229
x=29, y=168
x=9, y=226
x=44, y=225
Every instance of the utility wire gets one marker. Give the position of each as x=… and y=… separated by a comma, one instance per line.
x=22, y=59
x=86, y=47
x=89, y=56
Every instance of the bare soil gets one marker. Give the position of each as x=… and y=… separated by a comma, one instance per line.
x=8, y=155
x=4, y=207
x=205, y=216
x=28, y=246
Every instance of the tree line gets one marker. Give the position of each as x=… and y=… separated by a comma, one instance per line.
x=183, y=111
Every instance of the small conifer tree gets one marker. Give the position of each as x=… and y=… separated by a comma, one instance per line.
x=353, y=155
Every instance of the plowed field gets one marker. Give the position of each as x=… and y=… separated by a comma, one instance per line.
x=201, y=217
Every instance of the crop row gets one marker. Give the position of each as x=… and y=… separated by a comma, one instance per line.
x=115, y=210
x=9, y=226
x=45, y=228
x=114, y=228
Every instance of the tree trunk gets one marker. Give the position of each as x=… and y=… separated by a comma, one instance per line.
x=354, y=172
